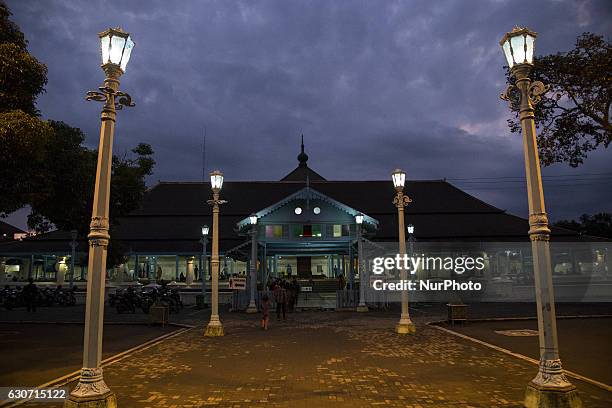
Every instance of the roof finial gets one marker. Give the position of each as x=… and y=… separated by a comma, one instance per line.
x=302, y=157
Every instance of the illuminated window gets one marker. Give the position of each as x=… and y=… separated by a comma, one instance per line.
x=307, y=231
x=274, y=231
x=341, y=231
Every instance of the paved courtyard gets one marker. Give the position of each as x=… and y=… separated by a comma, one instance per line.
x=323, y=359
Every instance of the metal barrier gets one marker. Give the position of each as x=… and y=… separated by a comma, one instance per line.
x=347, y=298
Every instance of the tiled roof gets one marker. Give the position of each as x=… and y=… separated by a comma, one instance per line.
x=172, y=213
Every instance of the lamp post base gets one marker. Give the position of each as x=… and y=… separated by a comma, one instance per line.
x=537, y=396
x=405, y=328
x=362, y=308
x=91, y=391
x=252, y=308
x=107, y=400
x=214, y=330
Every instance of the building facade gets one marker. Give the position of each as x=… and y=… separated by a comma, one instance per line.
x=306, y=228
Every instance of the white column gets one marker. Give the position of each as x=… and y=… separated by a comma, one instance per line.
x=60, y=273
x=2, y=270
x=119, y=274
x=362, y=272
x=189, y=277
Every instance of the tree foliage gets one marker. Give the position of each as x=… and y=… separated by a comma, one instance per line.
x=573, y=118
x=22, y=77
x=23, y=143
x=597, y=225
x=65, y=199
x=44, y=163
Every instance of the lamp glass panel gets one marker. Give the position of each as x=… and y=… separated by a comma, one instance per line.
x=105, y=48
x=129, y=44
x=530, y=40
x=359, y=219
x=205, y=230
x=399, y=179
x=518, y=48
x=253, y=219
x=216, y=180
x=116, y=49
x=508, y=54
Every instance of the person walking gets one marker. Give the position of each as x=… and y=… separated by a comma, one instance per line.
x=30, y=295
x=280, y=295
x=265, y=308
x=295, y=287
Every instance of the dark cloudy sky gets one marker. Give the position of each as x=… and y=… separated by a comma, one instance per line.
x=372, y=85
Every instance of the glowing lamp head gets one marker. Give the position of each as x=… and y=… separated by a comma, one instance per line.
x=205, y=230
x=116, y=47
x=253, y=219
x=399, y=179
x=518, y=46
x=359, y=219
x=410, y=229
x=216, y=180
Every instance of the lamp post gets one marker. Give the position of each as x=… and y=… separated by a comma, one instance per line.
x=116, y=47
x=215, y=328
x=252, y=308
x=410, y=229
x=550, y=387
x=405, y=325
x=204, y=242
x=73, y=245
x=362, y=307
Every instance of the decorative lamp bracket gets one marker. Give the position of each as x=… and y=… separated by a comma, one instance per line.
x=120, y=99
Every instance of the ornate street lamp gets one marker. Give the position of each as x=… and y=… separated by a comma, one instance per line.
x=405, y=325
x=73, y=245
x=204, y=263
x=252, y=308
x=550, y=387
x=116, y=47
x=362, y=307
x=215, y=328
x=410, y=229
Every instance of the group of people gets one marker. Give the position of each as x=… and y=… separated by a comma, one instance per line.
x=285, y=294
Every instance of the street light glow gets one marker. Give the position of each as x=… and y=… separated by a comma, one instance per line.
x=518, y=46
x=216, y=180
x=359, y=219
x=399, y=178
x=205, y=230
x=116, y=47
x=253, y=219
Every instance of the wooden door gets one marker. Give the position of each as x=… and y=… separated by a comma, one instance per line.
x=303, y=267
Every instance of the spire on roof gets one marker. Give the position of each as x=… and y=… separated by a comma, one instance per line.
x=302, y=172
x=302, y=157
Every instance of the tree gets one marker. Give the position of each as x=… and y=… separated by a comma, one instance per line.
x=22, y=77
x=597, y=225
x=23, y=143
x=44, y=164
x=23, y=136
x=66, y=198
x=573, y=117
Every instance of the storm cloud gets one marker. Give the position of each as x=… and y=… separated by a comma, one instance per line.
x=372, y=85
